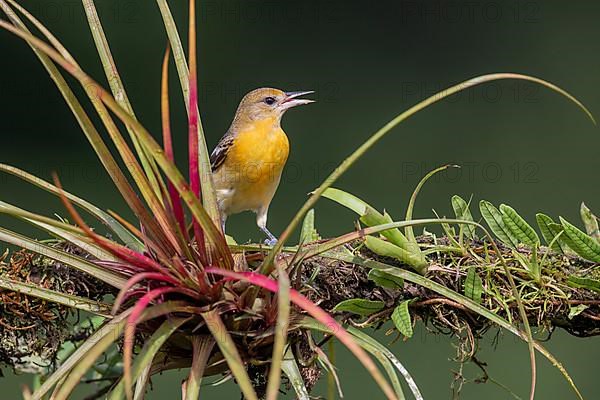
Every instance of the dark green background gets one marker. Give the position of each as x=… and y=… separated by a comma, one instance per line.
x=368, y=61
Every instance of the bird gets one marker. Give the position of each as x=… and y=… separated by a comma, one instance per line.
x=248, y=161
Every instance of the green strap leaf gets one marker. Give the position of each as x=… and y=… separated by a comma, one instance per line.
x=473, y=285
x=127, y=237
x=585, y=283
x=117, y=87
x=402, y=320
x=548, y=228
x=362, y=307
x=53, y=296
x=229, y=350
x=385, y=280
x=581, y=243
x=493, y=217
x=151, y=347
x=461, y=210
x=209, y=199
x=290, y=368
x=520, y=229
x=74, y=261
x=468, y=303
x=387, y=249
x=368, y=215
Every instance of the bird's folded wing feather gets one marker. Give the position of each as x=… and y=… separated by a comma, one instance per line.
x=219, y=154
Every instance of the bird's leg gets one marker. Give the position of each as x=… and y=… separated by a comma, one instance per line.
x=223, y=221
x=261, y=221
x=271, y=239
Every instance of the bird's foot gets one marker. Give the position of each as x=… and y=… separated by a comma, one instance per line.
x=272, y=241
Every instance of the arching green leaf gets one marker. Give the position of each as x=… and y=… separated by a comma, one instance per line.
x=520, y=229
x=549, y=231
x=580, y=242
x=493, y=217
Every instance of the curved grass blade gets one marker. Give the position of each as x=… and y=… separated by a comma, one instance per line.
x=151, y=347
x=208, y=192
x=147, y=140
x=387, y=367
x=357, y=154
x=80, y=303
x=230, y=353
x=281, y=328
x=319, y=314
x=168, y=142
x=327, y=362
x=368, y=340
x=117, y=87
x=494, y=219
x=83, y=119
x=468, y=303
x=520, y=229
x=125, y=235
x=142, y=383
x=61, y=230
x=76, y=262
x=408, y=231
x=193, y=118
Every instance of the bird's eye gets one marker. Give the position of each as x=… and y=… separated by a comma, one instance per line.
x=269, y=101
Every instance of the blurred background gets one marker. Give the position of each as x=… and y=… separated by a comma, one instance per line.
x=367, y=61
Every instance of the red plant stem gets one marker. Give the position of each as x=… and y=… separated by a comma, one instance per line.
x=135, y=280
x=168, y=142
x=194, y=168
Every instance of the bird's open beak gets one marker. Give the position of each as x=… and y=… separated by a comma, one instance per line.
x=291, y=99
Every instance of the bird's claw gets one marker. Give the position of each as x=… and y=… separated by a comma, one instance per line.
x=271, y=241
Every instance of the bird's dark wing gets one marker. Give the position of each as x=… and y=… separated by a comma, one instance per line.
x=219, y=154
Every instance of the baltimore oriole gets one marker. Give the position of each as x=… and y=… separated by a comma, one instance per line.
x=249, y=159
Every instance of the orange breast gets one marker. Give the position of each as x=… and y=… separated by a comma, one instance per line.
x=254, y=164
x=260, y=153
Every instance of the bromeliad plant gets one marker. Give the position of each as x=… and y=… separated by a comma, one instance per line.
x=186, y=298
